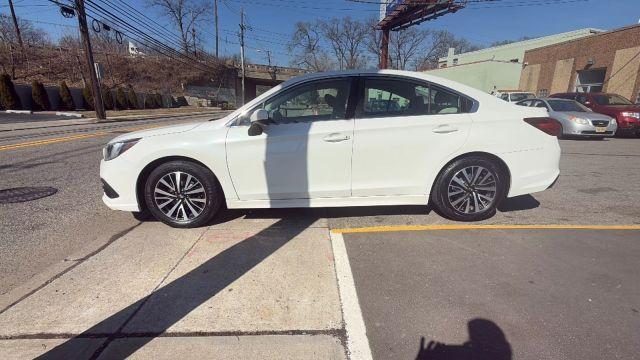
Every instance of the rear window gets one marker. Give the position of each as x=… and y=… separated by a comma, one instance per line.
x=521, y=96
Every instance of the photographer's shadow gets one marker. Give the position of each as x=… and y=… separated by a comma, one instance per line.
x=486, y=342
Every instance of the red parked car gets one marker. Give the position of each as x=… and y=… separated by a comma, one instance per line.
x=627, y=114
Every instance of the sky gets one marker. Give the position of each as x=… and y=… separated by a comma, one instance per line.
x=272, y=21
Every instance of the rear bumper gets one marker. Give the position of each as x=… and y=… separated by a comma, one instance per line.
x=533, y=170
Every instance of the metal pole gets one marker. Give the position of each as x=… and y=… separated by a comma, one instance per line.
x=88, y=52
x=215, y=12
x=384, y=49
x=242, y=51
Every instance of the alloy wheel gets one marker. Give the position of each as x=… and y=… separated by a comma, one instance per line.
x=472, y=190
x=180, y=196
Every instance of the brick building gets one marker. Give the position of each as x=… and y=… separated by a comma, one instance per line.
x=605, y=62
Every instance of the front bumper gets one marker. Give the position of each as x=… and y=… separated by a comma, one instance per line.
x=121, y=177
x=573, y=129
x=628, y=123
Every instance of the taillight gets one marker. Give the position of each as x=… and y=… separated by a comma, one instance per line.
x=549, y=125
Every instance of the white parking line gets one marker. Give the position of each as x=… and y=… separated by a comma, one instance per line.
x=357, y=341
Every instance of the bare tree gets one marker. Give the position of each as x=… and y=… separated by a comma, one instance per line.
x=306, y=48
x=347, y=38
x=404, y=45
x=438, y=46
x=185, y=15
x=30, y=34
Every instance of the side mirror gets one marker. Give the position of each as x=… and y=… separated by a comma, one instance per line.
x=259, y=115
x=258, y=119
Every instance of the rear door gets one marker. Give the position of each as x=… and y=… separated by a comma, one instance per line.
x=403, y=130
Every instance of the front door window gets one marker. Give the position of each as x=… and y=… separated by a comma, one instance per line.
x=318, y=101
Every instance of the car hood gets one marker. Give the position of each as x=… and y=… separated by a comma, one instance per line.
x=165, y=130
x=583, y=115
x=620, y=108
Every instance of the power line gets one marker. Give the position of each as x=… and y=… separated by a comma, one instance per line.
x=144, y=38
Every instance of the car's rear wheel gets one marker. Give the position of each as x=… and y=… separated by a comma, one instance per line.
x=182, y=194
x=469, y=189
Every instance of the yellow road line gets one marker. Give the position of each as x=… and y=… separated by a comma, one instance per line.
x=50, y=141
x=482, y=227
x=71, y=138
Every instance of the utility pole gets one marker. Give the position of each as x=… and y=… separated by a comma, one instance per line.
x=242, y=27
x=215, y=14
x=88, y=53
x=15, y=25
x=193, y=34
x=268, y=57
x=195, y=49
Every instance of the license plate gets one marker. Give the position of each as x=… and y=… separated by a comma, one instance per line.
x=601, y=129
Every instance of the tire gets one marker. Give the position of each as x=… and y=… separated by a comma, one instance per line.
x=194, y=203
x=457, y=201
x=562, y=135
x=143, y=215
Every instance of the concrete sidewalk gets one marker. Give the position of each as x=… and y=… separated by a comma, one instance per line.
x=248, y=288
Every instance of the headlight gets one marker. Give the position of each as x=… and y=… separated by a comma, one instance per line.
x=113, y=150
x=631, y=114
x=613, y=122
x=578, y=120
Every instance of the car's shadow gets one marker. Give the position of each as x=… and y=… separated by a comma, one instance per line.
x=518, y=203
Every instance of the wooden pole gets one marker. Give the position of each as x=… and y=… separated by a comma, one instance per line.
x=215, y=13
x=88, y=53
x=242, y=52
x=15, y=25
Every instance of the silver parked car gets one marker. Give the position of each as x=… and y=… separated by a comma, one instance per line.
x=576, y=119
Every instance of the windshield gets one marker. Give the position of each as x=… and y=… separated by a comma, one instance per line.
x=521, y=96
x=611, y=99
x=566, y=105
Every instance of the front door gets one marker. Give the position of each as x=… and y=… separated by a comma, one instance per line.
x=305, y=149
x=403, y=131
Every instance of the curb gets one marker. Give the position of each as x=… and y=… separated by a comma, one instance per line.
x=19, y=112
x=69, y=114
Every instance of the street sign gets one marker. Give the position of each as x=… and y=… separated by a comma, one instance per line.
x=99, y=70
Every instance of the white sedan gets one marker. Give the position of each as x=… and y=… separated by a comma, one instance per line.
x=350, y=138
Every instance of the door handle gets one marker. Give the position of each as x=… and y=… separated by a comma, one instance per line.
x=444, y=129
x=336, y=137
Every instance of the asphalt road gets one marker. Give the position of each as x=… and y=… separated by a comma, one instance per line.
x=496, y=294
x=74, y=221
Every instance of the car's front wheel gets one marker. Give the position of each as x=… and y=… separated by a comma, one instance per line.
x=182, y=194
x=469, y=189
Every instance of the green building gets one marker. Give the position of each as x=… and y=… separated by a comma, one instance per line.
x=499, y=67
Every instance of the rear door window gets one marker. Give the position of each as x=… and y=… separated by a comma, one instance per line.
x=387, y=97
x=444, y=101
x=394, y=97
